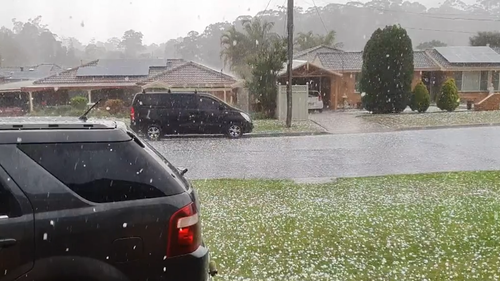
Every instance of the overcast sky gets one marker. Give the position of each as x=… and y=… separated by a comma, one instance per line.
x=158, y=20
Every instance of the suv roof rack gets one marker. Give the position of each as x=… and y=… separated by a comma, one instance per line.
x=44, y=123
x=48, y=126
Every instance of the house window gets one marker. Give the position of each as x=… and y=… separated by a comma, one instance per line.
x=484, y=81
x=357, y=82
x=471, y=81
x=458, y=80
x=495, y=79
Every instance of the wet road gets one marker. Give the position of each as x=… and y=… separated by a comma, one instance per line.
x=337, y=155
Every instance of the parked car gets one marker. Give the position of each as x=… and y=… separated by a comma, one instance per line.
x=92, y=201
x=158, y=114
x=315, y=101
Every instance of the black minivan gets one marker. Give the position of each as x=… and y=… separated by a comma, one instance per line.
x=168, y=113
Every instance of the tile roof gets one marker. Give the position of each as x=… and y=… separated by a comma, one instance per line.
x=346, y=61
x=353, y=61
x=192, y=75
x=69, y=77
x=310, y=54
x=459, y=66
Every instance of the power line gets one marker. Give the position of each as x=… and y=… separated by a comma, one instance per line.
x=319, y=15
x=426, y=14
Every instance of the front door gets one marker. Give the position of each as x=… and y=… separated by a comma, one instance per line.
x=211, y=115
x=16, y=230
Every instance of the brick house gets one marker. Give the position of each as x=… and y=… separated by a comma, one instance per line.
x=122, y=78
x=345, y=89
x=473, y=68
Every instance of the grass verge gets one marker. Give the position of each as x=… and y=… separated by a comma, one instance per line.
x=275, y=126
x=401, y=121
x=412, y=227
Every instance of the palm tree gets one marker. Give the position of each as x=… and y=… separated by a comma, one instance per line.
x=309, y=40
x=238, y=47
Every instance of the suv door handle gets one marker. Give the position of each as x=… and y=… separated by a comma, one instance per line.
x=5, y=243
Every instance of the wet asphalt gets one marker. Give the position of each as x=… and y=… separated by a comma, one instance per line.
x=347, y=155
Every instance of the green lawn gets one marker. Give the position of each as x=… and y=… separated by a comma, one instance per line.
x=419, y=227
x=409, y=120
x=275, y=126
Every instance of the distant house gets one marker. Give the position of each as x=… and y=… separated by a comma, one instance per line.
x=27, y=73
x=473, y=68
x=310, y=54
x=123, y=78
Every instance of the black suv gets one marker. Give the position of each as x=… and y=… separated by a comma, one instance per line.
x=91, y=201
x=158, y=114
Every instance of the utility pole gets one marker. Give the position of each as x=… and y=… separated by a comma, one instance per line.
x=289, y=66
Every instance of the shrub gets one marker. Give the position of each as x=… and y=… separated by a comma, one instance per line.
x=115, y=106
x=79, y=102
x=448, y=98
x=420, y=98
x=387, y=70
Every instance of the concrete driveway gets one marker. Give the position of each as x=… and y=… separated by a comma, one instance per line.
x=345, y=122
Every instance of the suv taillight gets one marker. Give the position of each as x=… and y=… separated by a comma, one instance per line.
x=132, y=114
x=319, y=97
x=184, y=232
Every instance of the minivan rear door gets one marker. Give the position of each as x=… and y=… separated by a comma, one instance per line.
x=17, y=245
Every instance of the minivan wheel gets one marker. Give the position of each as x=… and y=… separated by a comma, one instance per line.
x=234, y=131
x=153, y=133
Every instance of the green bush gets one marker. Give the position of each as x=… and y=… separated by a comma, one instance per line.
x=448, y=98
x=420, y=99
x=62, y=110
x=114, y=106
x=387, y=71
x=79, y=102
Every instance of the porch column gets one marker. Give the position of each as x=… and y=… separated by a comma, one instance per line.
x=30, y=99
x=225, y=95
x=89, y=96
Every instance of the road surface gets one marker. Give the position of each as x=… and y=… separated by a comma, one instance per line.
x=461, y=149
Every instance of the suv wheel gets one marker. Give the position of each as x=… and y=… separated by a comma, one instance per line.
x=154, y=132
x=234, y=131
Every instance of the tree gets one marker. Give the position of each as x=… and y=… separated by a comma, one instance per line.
x=486, y=38
x=420, y=98
x=448, y=98
x=266, y=64
x=132, y=43
x=238, y=47
x=309, y=40
x=430, y=45
x=387, y=70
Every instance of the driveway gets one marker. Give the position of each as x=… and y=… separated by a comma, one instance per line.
x=343, y=155
x=345, y=122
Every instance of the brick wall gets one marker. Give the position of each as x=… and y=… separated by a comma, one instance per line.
x=491, y=102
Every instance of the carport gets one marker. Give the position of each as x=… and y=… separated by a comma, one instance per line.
x=316, y=77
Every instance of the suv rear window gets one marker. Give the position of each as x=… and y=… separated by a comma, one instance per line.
x=106, y=172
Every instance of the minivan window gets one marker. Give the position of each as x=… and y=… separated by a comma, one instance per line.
x=186, y=101
x=207, y=103
x=105, y=172
x=8, y=203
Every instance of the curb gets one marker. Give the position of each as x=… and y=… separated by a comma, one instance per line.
x=448, y=127
x=280, y=134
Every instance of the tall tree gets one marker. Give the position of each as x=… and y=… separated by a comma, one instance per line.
x=238, y=46
x=309, y=39
x=266, y=64
x=486, y=38
x=132, y=43
x=387, y=70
